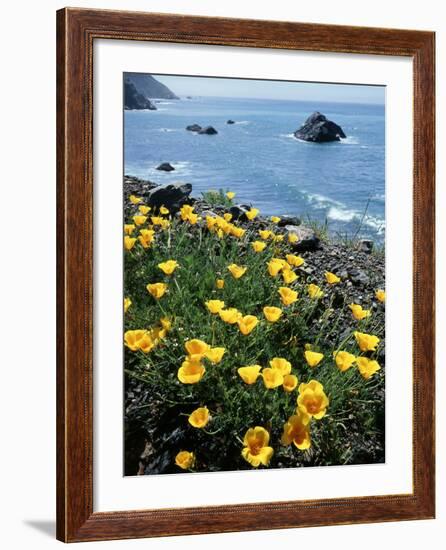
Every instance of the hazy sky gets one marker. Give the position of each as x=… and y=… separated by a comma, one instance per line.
x=235, y=87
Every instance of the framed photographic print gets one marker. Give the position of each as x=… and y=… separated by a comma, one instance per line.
x=245, y=275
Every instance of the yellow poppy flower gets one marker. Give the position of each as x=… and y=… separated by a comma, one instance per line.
x=272, y=378
x=380, y=295
x=226, y=227
x=313, y=358
x=297, y=430
x=134, y=199
x=280, y=364
x=288, y=276
x=144, y=209
x=237, y=271
x=164, y=211
x=193, y=218
x=275, y=265
x=127, y=304
x=191, y=372
x=247, y=324
x=366, y=342
x=237, y=231
x=215, y=355
x=157, y=220
x=367, y=367
x=314, y=291
x=132, y=338
x=252, y=213
x=230, y=195
x=211, y=222
x=258, y=246
x=147, y=342
x=168, y=267
x=147, y=234
x=249, y=374
x=265, y=234
x=199, y=417
x=272, y=314
x=220, y=283
x=256, y=450
x=292, y=238
x=196, y=348
x=359, y=313
x=157, y=290
x=146, y=237
x=279, y=238
x=129, y=242
x=214, y=306
x=275, y=219
x=344, y=360
x=295, y=261
x=166, y=323
x=139, y=220
x=312, y=399
x=331, y=278
x=185, y=460
x=227, y=217
x=185, y=211
x=230, y=315
x=129, y=228
x=289, y=382
x=287, y=295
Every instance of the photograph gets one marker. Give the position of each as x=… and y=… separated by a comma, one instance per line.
x=254, y=274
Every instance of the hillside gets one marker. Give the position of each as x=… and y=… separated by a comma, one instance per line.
x=149, y=87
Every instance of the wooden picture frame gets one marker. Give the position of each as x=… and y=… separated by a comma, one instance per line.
x=77, y=29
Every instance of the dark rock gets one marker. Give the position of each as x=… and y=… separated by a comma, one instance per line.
x=318, y=129
x=238, y=211
x=208, y=130
x=358, y=277
x=230, y=121
x=172, y=196
x=366, y=245
x=289, y=220
x=165, y=167
x=148, y=86
x=134, y=100
x=308, y=240
x=193, y=127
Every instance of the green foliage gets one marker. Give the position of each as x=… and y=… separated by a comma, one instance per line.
x=216, y=197
x=354, y=417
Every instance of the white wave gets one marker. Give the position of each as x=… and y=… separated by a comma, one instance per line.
x=350, y=140
x=168, y=130
x=379, y=197
x=320, y=201
x=243, y=122
x=288, y=136
x=340, y=212
x=182, y=165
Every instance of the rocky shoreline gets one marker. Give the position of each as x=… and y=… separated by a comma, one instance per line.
x=362, y=270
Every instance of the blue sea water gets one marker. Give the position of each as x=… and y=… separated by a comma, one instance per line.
x=263, y=163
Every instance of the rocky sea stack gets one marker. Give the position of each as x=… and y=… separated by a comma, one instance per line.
x=165, y=167
x=317, y=128
x=208, y=130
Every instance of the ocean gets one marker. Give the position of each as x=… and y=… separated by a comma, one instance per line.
x=259, y=159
